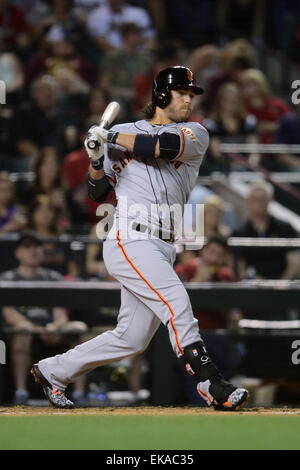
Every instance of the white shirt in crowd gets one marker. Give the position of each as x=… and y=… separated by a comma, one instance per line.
x=103, y=22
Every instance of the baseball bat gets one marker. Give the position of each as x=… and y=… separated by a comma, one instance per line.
x=107, y=118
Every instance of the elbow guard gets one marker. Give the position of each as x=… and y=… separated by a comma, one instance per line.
x=144, y=145
x=169, y=144
x=98, y=190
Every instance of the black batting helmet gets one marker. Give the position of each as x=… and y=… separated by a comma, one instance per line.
x=170, y=79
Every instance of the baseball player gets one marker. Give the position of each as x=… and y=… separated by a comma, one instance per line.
x=149, y=163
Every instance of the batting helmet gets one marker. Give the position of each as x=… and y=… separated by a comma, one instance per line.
x=170, y=79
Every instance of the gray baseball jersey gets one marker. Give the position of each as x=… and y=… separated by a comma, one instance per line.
x=158, y=183
x=151, y=292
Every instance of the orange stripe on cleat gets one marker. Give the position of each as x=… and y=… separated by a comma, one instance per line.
x=153, y=289
x=204, y=394
x=227, y=403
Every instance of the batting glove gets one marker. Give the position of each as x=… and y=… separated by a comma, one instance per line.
x=94, y=146
x=107, y=136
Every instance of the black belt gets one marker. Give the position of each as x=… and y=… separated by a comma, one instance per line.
x=156, y=233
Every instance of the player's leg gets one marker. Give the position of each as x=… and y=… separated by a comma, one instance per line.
x=147, y=269
x=136, y=326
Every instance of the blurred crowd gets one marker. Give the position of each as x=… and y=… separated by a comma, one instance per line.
x=63, y=61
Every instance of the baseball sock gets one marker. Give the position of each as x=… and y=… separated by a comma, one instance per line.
x=199, y=364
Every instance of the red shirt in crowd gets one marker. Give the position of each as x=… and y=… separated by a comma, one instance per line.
x=48, y=63
x=272, y=111
x=12, y=23
x=207, y=319
x=75, y=168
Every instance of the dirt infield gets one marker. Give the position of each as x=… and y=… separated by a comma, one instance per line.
x=142, y=411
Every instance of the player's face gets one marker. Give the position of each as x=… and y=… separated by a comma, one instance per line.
x=180, y=108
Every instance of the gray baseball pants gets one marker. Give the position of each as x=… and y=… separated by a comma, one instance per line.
x=151, y=293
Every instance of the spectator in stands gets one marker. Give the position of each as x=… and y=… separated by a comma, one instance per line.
x=192, y=22
x=12, y=217
x=288, y=133
x=62, y=20
x=37, y=122
x=95, y=266
x=228, y=122
x=48, y=181
x=34, y=11
x=210, y=266
x=242, y=18
x=104, y=23
x=43, y=218
x=15, y=32
x=73, y=73
x=119, y=68
x=266, y=262
x=75, y=167
x=266, y=108
x=44, y=221
x=236, y=56
x=49, y=324
x=98, y=99
x=213, y=214
x=11, y=73
x=74, y=77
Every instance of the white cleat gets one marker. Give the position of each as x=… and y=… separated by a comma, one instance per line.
x=235, y=399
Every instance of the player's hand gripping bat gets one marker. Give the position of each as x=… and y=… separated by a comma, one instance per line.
x=107, y=118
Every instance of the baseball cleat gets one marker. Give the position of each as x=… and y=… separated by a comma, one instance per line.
x=56, y=397
x=221, y=395
x=236, y=400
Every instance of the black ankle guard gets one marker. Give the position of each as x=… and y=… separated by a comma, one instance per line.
x=198, y=363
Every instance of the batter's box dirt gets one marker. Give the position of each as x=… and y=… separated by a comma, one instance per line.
x=148, y=411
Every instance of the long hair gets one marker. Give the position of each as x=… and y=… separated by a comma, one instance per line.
x=42, y=200
x=225, y=89
x=149, y=110
x=260, y=80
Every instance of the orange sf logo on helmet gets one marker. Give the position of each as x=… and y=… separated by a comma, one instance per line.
x=190, y=75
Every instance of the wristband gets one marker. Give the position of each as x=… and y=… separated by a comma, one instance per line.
x=97, y=164
x=112, y=136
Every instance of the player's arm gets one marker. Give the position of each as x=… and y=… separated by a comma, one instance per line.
x=166, y=145
x=187, y=143
x=98, y=184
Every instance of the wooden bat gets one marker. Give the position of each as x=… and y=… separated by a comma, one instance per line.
x=107, y=118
